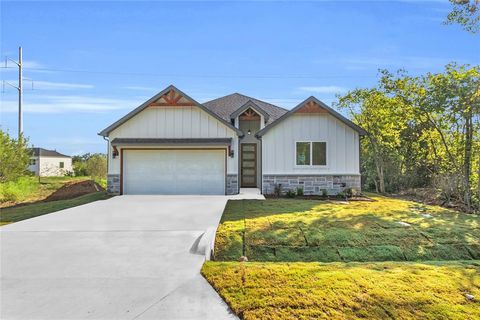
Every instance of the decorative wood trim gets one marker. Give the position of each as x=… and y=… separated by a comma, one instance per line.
x=171, y=99
x=249, y=115
x=312, y=107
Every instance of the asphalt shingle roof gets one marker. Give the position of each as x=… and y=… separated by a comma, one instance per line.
x=227, y=105
x=47, y=153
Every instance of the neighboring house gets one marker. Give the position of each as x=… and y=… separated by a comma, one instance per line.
x=47, y=163
x=172, y=144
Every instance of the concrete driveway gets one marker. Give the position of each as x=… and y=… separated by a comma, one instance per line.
x=129, y=257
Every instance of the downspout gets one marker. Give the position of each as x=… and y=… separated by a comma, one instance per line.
x=108, y=156
x=261, y=162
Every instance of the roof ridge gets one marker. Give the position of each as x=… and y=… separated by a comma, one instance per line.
x=255, y=99
x=248, y=97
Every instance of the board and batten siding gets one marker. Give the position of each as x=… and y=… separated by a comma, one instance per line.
x=278, y=145
x=173, y=122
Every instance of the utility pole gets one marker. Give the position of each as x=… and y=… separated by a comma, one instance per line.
x=20, y=91
x=20, y=94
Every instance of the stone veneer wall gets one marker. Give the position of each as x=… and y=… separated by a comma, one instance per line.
x=311, y=184
x=113, y=184
x=232, y=184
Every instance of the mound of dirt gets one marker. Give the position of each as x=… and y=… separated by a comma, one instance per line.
x=75, y=189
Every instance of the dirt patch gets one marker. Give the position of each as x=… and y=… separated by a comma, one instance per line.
x=430, y=196
x=75, y=189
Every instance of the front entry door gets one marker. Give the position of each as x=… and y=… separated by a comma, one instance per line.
x=248, y=163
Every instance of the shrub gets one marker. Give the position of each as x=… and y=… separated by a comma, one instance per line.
x=349, y=192
x=97, y=166
x=291, y=193
x=300, y=192
x=341, y=195
x=18, y=190
x=324, y=192
x=14, y=157
x=278, y=190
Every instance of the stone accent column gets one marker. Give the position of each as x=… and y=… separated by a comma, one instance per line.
x=232, y=184
x=311, y=184
x=113, y=184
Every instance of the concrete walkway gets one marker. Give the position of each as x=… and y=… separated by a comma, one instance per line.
x=129, y=257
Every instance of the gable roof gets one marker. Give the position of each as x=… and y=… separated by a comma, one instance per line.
x=40, y=152
x=225, y=106
x=158, y=96
x=250, y=105
x=321, y=105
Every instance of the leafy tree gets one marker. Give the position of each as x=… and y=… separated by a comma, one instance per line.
x=14, y=157
x=79, y=163
x=96, y=166
x=423, y=131
x=465, y=13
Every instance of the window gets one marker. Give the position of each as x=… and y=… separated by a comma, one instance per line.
x=303, y=153
x=319, y=153
x=32, y=162
x=61, y=165
x=311, y=153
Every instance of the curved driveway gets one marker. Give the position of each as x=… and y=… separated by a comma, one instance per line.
x=128, y=257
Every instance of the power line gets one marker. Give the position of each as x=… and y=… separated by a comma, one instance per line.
x=252, y=76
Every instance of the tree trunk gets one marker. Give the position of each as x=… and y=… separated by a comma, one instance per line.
x=379, y=167
x=467, y=164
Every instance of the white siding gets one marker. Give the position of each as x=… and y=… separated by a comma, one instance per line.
x=50, y=166
x=278, y=146
x=173, y=122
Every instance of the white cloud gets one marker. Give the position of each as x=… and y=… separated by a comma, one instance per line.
x=66, y=104
x=47, y=85
x=140, y=88
x=28, y=66
x=324, y=89
x=394, y=61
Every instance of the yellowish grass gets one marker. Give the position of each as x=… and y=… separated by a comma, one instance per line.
x=387, y=290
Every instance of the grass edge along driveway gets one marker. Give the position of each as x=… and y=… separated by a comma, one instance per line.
x=272, y=232
x=22, y=212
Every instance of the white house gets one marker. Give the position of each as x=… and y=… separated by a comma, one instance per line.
x=172, y=144
x=47, y=163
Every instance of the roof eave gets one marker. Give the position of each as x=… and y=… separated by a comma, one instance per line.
x=105, y=132
x=337, y=115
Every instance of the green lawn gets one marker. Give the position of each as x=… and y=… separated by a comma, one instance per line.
x=386, y=229
x=14, y=214
x=328, y=260
x=32, y=189
x=382, y=290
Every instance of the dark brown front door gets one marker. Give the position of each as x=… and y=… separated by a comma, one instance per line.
x=248, y=163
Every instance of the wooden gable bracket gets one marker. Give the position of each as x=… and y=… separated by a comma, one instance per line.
x=171, y=99
x=249, y=114
x=312, y=107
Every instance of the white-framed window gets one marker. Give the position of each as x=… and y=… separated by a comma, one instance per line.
x=32, y=162
x=311, y=153
x=61, y=165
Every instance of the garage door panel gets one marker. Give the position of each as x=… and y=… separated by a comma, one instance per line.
x=174, y=172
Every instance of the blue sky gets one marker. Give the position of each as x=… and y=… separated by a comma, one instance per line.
x=92, y=62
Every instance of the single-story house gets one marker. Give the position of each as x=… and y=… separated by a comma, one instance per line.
x=48, y=163
x=172, y=144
